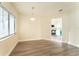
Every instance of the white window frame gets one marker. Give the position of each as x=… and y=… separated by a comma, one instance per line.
x=9, y=13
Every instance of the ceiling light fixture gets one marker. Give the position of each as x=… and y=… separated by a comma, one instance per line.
x=60, y=10
x=32, y=17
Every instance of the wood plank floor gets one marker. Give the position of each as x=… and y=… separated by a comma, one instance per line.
x=44, y=48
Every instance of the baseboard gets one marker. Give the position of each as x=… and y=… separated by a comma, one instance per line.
x=74, y=45
x=29, y=39
x=12, y=48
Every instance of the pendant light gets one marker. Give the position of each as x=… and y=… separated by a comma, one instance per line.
x=32, y=17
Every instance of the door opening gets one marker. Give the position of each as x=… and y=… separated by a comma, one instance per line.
x=56, y=29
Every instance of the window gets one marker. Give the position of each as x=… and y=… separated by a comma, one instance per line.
x=12, y=24
x=7, y=23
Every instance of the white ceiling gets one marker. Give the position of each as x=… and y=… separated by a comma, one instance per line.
x=43, y=8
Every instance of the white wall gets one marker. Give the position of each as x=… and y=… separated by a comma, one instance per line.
x=34, y=30
x=46, y=27
x=74, y=28
x=66, y=27
x=29, y=30
x=71, y=26
x=9, y=43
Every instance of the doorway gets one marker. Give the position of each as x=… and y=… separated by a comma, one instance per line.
x=56, y=29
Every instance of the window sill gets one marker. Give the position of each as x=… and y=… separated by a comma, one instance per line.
x=5, y=38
